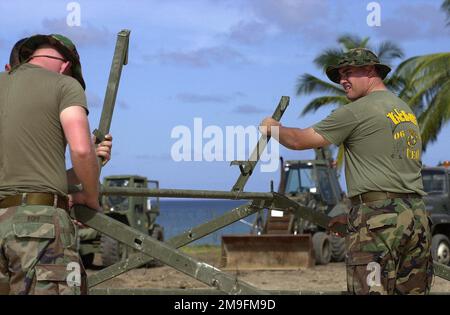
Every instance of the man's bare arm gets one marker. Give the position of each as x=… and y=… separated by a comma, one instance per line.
x=294, y=138
x=301, y=139
x=102, y=150
x=84, y=161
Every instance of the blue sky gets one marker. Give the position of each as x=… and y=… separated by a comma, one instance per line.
x=225, y=61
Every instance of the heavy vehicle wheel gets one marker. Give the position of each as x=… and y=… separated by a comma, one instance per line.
x=337, y=248
x=112, y=250
x=322, y=248
x=440, y=249
x=87, y=260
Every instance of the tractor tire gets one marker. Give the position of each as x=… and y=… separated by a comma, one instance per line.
x=440, y=249
x=337, y=248
x=111, y=250
x=322, y=248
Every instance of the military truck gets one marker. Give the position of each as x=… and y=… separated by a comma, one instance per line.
x=436, y=183
x=313, y=184
x=137, y=212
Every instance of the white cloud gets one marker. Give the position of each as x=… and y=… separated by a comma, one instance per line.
x=203, y=98
x=200, y=58
x=407, y=23
x=248, y=109
x=85, y=35
x=252, y=32
x=292, y=15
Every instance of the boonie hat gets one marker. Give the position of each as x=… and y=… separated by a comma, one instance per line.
x=63, y=44
x=357, y=57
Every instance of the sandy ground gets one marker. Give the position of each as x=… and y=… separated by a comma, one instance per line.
x=319, y=278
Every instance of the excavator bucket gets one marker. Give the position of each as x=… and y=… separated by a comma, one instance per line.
x=267, y=252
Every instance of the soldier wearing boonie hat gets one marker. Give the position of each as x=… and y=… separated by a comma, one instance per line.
x=358, y=57
x=64, y=46
x=103, y=149
x=389, y=239
x=43, y=108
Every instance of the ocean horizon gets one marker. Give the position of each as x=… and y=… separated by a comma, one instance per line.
x=180, y=215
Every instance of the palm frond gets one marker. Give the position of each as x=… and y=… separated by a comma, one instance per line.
x=307, y=84
x=395, y=83
x=419, y=67
x=388, y=51
x=328, y=57
x=407, y=66
x=419, y=70
x=350, y=41
x=319, y=102
x=424, y=94
x=437, y=113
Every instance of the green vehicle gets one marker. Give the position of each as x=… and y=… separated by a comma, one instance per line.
x=285, y=240
x=138, y=212
x=436, y=182
x=314, y=184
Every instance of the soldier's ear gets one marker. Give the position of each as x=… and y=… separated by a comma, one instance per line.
x=66, y=68
x=7, y=67
x=372, y=71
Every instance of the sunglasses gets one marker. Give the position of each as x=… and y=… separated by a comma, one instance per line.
x=51, y=57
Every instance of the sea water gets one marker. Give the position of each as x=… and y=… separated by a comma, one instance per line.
x=177, y=216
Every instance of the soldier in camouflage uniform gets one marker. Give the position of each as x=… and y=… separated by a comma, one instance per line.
x=103, y=149
x=42, y=108
x=388, y=239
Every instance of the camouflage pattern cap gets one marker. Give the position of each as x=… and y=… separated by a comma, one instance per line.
x=63, y=44
x=357, y=57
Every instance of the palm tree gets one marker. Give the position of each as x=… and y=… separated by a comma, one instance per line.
x=308, y=83
x=427, y=91
x=334, y=94
x=427, y=88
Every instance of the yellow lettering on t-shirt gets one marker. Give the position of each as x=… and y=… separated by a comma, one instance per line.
x=393, y=118
x=412, y=118
x=398, y=135
x=412, y=154
x=398, y=116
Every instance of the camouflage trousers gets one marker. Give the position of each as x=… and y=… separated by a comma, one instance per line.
x=388, y=248
x=38, y=252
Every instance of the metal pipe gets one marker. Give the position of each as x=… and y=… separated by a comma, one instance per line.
x=184, y=193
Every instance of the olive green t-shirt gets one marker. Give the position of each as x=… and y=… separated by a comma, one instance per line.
x=32, y=142
x=382, y=144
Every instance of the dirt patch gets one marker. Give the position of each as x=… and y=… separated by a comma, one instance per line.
x=319, y=278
